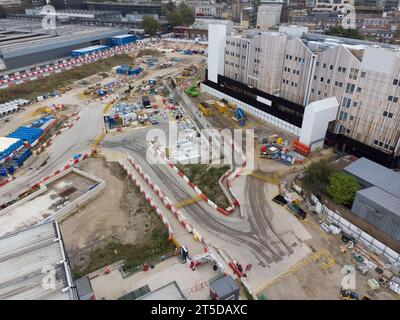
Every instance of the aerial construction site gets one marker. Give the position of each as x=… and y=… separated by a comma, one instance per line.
x=159, y=187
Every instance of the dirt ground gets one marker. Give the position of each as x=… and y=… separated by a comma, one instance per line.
x=312, y=282
x=115, y=215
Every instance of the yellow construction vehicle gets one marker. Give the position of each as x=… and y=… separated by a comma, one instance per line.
x=185, y=73
x=222, y=107
x=205, y=108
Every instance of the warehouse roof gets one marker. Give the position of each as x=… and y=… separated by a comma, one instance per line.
x=5, y=143
x=29, y=257
x=373, y=174
x=65, y=36
x=383, y=198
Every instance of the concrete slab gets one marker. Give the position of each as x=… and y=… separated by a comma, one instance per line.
x=193, y=284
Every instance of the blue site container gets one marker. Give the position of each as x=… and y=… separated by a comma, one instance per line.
x=25, y=155
x=5, y=153
x=124, y=69
x=122, y=39
x=36, y=124
x=88, y=50
x=10, y=170
x=26, y=134
x=42, y=121
x=3, y=172
x=134, y=71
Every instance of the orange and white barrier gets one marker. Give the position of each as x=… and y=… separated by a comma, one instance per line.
x=191, y=184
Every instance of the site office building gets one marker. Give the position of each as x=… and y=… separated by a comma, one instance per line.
x=284, y=72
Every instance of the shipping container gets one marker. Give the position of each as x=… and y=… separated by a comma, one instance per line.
x=3, y=172
x=21, y=158
x=88, y=50
x=135, y=71
x=8, y=145
x=26, y=134
x=49, y=123
x=122, y=39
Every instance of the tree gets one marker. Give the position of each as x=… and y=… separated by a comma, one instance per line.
x=150, y=25
x=339, y=31
x=187, y=14
x=167, y=8
x=316, y=176
x=174, y=18
x=342, y=188
x=183, y=15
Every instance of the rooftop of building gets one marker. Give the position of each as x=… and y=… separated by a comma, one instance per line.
x=202, y=24
x=33, y=265
x=370, y=173
x=224, y=286
x=318, y=43
x=72, y=11
x=382, y=198
x=21, y=34
x=123, y=3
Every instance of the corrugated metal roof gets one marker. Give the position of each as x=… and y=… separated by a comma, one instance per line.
x=383, y=198
x=376, y=175
x=224, y=286
x=24, y=256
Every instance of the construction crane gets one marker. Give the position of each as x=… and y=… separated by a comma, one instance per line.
x=192, y=90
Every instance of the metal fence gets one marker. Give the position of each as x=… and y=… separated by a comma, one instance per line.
x=153, y=261
x=350, y=228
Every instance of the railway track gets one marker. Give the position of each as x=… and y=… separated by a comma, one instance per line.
x=254, y=239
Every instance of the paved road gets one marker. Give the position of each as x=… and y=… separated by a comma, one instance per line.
x=74, y=140
x=257, y=234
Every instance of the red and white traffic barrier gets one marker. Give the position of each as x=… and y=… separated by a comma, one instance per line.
x=152, y=203
x=69, y=164
x=191, y=184
x=4, y=182
x=44, y=72
x=166, y=201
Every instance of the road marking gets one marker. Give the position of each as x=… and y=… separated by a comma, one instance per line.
x=188, y=201
x=315, y=257
x=273, y=180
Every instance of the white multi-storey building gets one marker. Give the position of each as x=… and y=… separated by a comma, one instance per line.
x=296, y=69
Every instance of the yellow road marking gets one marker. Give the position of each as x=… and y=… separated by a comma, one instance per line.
x=324, y=253
x=274, y=179
x=188, y=201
